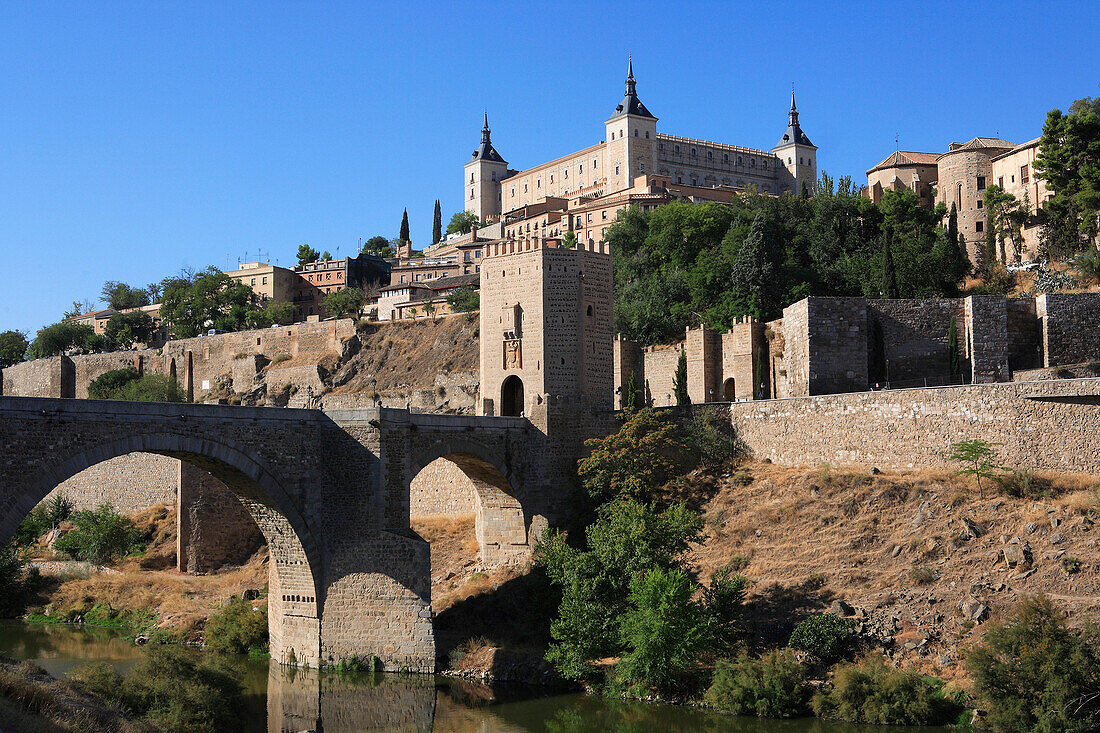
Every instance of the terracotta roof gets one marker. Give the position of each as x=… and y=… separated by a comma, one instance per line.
x=455, y=281
x=980, y=143
x=906, y=157
x=1018, y=148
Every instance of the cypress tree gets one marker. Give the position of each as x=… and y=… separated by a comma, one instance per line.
x=630, y=399
x=437, y=224
x=753, y=274
x=680, y=381
x=889, y=274
x=761, y=375
x=953, y=224
x=404, y=235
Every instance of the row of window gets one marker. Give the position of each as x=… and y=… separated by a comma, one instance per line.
x=621, y=135
x=725, y=157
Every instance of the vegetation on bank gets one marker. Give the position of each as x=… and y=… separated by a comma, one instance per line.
x=633, y=620
x=130, y=384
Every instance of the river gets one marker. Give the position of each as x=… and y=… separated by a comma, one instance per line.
x=281, y=699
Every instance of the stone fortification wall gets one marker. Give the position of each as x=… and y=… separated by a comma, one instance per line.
x=1025, y=334
x=228, y=356
x=914, y=336
x=837, y=339
x=659, y=366
x=1067, y=371
x=1070, y=327
x=905, y=429
x=454, y=392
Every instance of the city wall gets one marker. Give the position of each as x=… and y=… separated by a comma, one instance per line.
x=1040, y=425
x=837, y=345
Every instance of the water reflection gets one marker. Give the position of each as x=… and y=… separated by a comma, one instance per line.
x=303, y=699
x=282, y=699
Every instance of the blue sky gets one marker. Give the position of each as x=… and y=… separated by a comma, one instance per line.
x=139, y=138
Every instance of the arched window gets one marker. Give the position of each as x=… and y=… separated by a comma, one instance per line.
x=729, y=393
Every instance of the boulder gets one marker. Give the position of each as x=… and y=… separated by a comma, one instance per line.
x=974, y=610
x=970, y=529
x=1016, y=555
x=842, y=609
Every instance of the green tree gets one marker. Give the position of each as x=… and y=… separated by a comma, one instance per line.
x=663, y=629
x=824, y=635
x=646, y=452
x=126, y=329
x=272, y=313
x=307, y=254
x=464, y=299
x=463, y=222
x=569, y=239
x=79, y=308
x=630, y=395
x=238, y=627
x=437, y=223
x=326, y=256
x=13, y=346
x=429, y=309
x=753, y=274
x=979, y=458
x=1033, y=672
x=871, y=692
x=679, y=381
x=193, y=303
x=344, y=303
x=1006, y=218
x=380, y=246
x=889, y=273
x=150, y=388
x=121, y=296
x=1069, y=161
x=774, y=686
x=404, y=235
x=63, y=337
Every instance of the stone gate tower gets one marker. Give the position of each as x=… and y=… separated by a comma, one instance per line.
x=547, y=352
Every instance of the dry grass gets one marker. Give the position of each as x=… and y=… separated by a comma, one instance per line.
x=814, y=535
x=32, y=701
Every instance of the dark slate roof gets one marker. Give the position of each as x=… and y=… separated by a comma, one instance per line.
x=486, y=151
x=631, y=105
x=794, y=134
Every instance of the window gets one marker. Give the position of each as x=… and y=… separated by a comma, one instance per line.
x=641, y=166
x=253, y=281
x=525, y=188
x=679, y=179
x=789, y=161
x=752, y=162
x=980, y=203
x=605, y=213
x=979, y=226
x=612, y=135
x=740, y=160
x=580, y=168
x=265, y=281
x=589, y=217
x=647, y=134
x=471, y=177
x=677, y=149
x=1024, y=178
x=693, y=152
x=765, y=165
x=513, y=190
x=635, y=133
x=1001, y=181
x=660, y=146
x=538, y=183
x=981, y=183
x=710, y=155
x=695, y=181
x=551, y=178
x=566, y=173
x=800, y=160
x=616, y=168
x=472, y=193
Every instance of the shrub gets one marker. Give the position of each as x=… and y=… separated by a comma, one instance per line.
x=825, y=636
x=106, y=384
x=1088, y=263
x=1024, y=484
x=923, y=575
x=871, y=692
x=33, y=526
x=151, y=388
x=711, y=437
x=172, y=690
x=664, y=630
x=101, y=536
x=773, y=686
x=1034, y=672
x=1071, y=564
x=11, y=579
x=723, y=600
x=237, y=628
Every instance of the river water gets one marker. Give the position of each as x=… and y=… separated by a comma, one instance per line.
x=281, y=699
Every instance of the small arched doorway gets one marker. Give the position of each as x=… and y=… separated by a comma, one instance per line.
x=511, y=397
x=729, y=394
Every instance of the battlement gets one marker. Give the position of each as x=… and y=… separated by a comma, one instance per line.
x=506, y=247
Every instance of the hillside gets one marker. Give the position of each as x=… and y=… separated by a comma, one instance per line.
x=917, y=558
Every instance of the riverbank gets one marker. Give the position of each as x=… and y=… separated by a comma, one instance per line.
x=31, y=699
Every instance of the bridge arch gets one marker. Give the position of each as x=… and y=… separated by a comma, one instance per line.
x=485, y=475
x=293, y=589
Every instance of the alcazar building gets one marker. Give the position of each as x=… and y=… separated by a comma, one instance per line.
x=633, y=163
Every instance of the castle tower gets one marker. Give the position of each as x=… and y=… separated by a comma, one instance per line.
x=630, y=142
x=482, y=177
x=798, y=156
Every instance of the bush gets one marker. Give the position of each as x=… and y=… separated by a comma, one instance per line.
x=11, y=580
x=1024, y=484
x=871, y=692
x=1088, y=263
x=101, y=536
x=62, y=337
x=238, y=629
x=711, y=437
x=825, y=636
x=1033, y=672
x=773, y=686
x=106, y=384
x=664, y=630
x=171, y=690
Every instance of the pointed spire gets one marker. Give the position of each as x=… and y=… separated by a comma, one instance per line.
x=485, y=151
x=631, y=104
x=794, y=134
x=485, y=128
x=792, y=116
x=630, y=77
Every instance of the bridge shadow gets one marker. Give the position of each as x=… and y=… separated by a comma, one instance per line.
x=514, y=616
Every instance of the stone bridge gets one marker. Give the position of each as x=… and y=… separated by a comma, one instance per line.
x=329, y=491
